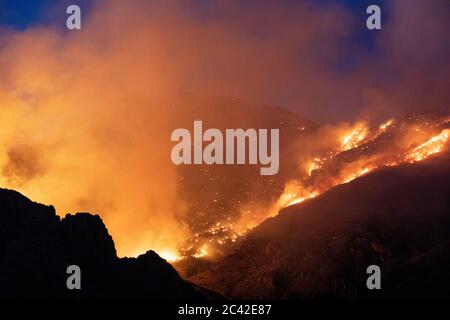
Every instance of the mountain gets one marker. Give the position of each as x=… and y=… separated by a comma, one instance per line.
x=218, y=194
x=223, y=202
x=37, y=246
x=397, y=218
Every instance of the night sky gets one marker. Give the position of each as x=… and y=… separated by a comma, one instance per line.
x=22, y=14
x=369, y=60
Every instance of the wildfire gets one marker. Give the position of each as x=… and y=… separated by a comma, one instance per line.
x=354, y=137
x=363, y=150
x=426, y=149
x=203, y=251
x=294, y=193
x=315, y=164
x=297, y=191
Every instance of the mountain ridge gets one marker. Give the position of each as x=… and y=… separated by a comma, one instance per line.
x=37, y=246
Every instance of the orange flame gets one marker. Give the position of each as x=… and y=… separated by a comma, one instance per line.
x=428, y=148
x=354, y=137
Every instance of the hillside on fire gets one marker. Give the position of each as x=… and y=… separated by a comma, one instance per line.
x=225, y=203
x=396, y=218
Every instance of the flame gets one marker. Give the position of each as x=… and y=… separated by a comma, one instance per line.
x=428, y=148
x=354, y=137
x=203, y=251
x=386, y=124
x=313, y=165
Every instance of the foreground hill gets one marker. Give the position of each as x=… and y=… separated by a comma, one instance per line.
x=397, y=218
x=36, y=247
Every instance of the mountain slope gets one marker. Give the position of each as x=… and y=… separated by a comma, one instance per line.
x=322, y=247
x=221, y=193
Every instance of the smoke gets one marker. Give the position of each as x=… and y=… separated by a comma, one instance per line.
x=23, y=163
x=86, y=115
x=409, y=70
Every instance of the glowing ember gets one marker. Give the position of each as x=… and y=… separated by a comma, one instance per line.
x=386, y=124
x=201, y=253
x=315, y=164
x=297, y=200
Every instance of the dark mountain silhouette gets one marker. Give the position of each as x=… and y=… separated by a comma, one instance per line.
x=397, y=218
x=37, y=246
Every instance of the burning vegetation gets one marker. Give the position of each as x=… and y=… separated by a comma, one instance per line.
x=356, y=151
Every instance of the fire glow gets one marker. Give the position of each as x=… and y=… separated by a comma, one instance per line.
x=428, y=148
x=86, y=116
x=294, y=192
x=416, y=141
x=298, y=191
x=354, y=137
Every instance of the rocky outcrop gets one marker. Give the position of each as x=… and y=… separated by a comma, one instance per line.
x=37, y=246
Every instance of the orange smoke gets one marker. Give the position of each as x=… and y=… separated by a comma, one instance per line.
x=86, y=116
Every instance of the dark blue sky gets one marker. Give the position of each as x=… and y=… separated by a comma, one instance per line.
x=21, y=14
x=412, y=53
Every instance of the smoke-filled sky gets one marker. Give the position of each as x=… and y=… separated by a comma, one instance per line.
x=86, y=114
x=315, y=57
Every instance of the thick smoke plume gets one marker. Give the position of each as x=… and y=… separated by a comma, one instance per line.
x=86, y=116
